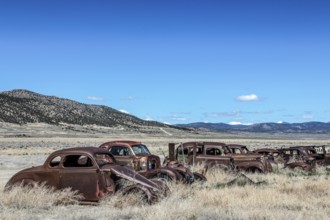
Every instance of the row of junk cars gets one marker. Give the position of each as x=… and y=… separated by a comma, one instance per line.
x=129, y=167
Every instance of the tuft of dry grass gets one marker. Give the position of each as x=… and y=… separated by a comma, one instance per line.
x=39, y=197
x=283, y=196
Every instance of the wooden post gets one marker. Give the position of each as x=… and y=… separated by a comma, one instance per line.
x=171, y=152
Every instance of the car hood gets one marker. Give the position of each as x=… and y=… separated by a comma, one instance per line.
x=131, y=175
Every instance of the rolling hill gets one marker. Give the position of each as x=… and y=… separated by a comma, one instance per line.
x=23, y=106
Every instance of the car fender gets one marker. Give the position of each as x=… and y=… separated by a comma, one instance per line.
x=20, y=182
x=250, y=165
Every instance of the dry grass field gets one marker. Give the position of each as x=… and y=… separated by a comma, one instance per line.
x=286, y=194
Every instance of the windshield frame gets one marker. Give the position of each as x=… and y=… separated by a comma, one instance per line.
x=143, y=149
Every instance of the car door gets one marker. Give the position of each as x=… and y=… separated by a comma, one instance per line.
x=80, y=173
x=52, y=171
x=214, y=156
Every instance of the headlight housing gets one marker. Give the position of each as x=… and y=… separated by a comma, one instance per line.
x=143, y=165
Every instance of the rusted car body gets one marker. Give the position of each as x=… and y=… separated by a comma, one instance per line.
x=309, y=155
x=298, y=153
x=272, y=155
x=290, y=158
x=92, y=171
x=217, y=154
x=238, y=149
x=137, y=155
x=323, y=156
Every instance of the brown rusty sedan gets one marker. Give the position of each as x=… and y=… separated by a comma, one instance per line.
x=272, y=155
x=303, y=157
x=218, y=155
x=91, y=171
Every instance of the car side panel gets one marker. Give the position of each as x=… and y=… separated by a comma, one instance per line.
x=85, y=181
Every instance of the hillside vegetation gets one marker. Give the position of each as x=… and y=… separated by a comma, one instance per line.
x=23, y=106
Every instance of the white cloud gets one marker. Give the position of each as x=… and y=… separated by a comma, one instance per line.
x=128, y=98
x=280, y=122
x=176, y=118
x=247, y=98
x=235, y=123
x=148, y=118
x=93, y=98
x=308, y=116
x=239, y=123
x=124, y=111
x=222, y=114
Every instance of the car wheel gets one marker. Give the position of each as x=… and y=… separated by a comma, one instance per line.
x=163, y=177
x=147, y=195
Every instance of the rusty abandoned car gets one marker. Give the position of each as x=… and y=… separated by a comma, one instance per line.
x=92, y=172
x=273, y=155
x=297, y=157
x=238, y=149
x=307, y=153
x=323, y=157
x=217, y=154
x=136, y=155
x=304, y=157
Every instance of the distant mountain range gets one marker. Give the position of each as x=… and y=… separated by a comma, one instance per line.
x=307, y=127
x=23, y=106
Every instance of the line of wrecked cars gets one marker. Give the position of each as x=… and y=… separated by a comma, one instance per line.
x=296, y=157
x=96, y=172
x=129, y=167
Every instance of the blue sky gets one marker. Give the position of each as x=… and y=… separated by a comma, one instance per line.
x=174, y=61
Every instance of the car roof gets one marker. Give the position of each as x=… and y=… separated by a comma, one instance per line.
x=203, y=143
x=122, y=142
x=235, y=145
x=266, y=150
x=302, y=147
x=87, y=150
